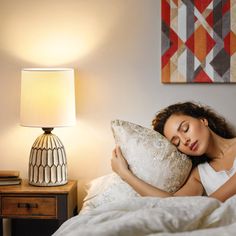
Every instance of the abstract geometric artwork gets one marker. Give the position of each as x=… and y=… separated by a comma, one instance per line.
x=198, y=41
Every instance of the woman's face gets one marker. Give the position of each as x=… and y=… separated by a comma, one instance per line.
x=190, y=135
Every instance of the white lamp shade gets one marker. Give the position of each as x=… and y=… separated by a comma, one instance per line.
x=47, y=97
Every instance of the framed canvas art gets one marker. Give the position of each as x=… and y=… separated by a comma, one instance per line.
x=198, y=41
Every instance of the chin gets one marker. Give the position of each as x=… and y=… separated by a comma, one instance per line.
x=196, y=153
x=199, y=153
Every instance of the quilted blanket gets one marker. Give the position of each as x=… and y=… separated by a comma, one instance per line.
x=174, y=216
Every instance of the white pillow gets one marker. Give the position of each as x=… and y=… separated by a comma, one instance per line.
x=106, y=188
x=151, y=156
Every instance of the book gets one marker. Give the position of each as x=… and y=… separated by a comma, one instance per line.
x=9, y=173
x=10, y=181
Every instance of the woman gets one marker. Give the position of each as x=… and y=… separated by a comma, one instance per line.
x=201, y=134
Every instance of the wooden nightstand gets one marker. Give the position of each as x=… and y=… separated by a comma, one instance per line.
x=37, y=211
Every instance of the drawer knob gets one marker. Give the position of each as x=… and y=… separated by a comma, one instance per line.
x=27, y=205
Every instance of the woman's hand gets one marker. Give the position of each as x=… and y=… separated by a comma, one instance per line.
x=118, y=162
x=121, y=167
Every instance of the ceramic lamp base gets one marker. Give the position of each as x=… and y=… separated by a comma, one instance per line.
x=47, y=164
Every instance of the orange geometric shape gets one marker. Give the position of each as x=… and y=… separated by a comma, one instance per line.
x=200, y=43
x=230, y=43
x=165, y=73
x=202, y=77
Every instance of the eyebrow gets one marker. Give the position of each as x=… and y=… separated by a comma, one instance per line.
x=178, y=129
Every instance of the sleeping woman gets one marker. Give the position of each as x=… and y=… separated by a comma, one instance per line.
x=206, y=138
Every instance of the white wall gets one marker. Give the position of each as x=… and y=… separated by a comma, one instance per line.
x=115, y=46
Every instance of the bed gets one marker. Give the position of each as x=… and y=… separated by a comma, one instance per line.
x=112, y=207
x=136, y=216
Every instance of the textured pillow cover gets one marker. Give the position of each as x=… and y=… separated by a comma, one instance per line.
x=151, y=156
x=106, y=188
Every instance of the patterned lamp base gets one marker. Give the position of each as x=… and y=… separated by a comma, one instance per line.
x=47, y=164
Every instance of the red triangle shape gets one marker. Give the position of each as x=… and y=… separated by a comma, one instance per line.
x=202, y=77
x=201, y=5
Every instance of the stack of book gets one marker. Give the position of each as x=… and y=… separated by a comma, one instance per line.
x=9, y=177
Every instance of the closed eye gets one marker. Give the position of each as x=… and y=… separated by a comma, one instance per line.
x=176, y=141
x=185, y=128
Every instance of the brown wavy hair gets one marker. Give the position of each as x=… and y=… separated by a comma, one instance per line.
x=216, y=122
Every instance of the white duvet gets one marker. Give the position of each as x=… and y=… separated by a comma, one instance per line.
x=190, y=216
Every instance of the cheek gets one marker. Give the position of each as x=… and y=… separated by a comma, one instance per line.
x=185, y=150
x=202, y=135
x=200, y=132
x=203, y=141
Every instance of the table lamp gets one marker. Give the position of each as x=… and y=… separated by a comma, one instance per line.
x=47, y=101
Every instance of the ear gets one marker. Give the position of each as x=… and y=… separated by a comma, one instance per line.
x=205, y=121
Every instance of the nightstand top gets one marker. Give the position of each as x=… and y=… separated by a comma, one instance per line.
x=24, y=187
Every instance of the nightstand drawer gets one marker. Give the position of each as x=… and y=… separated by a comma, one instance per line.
x=28, y=206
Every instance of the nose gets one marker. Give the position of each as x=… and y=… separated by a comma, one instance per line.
x=185, y=140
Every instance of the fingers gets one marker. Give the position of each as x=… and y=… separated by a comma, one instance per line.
x=118, y=151
x=118, y=162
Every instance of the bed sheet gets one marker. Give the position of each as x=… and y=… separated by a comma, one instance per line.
x=174, y=216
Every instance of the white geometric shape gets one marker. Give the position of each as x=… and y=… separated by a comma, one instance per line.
x=182, y=65
x=197, y=63
x=182, y=22
x=208, y=68
x=202, y=21
x=210, y=6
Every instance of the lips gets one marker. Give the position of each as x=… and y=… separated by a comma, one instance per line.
x=193, y=146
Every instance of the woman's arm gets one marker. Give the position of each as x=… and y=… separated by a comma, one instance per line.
x=192, y=186
x=227, y=190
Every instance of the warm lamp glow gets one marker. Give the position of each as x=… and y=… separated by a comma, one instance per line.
x=56, y=34
x=47, y=97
